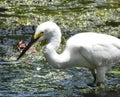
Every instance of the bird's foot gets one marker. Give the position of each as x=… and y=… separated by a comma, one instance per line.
x=101, y=85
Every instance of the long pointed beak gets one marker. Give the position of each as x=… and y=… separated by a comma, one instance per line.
x=28, y=46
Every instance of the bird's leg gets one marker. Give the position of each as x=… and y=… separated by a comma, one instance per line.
x=101, y=71
x=94, y=76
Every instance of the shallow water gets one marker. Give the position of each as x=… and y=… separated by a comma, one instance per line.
x=31, y=75
x=28, y=78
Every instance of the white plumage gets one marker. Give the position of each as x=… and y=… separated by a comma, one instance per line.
x=91, y=50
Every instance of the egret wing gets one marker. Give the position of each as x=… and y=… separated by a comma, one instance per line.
x=99, y=54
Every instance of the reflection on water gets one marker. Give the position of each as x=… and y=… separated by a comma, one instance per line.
x=32, y=76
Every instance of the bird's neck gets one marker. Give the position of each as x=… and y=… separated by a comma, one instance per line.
x=54, y=43
x=50, y=52
x=55, y=59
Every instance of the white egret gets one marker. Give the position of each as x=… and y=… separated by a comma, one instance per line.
x=95, y=51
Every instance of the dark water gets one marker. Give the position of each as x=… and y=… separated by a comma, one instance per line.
x=32, y=76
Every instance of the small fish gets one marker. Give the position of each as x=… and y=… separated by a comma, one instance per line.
x=21, y=46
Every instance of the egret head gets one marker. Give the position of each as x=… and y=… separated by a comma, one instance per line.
x=47, y=30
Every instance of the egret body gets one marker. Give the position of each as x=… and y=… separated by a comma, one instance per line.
x=91, y=50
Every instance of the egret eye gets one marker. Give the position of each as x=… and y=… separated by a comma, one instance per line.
x=38, y=35
x=42, y=33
